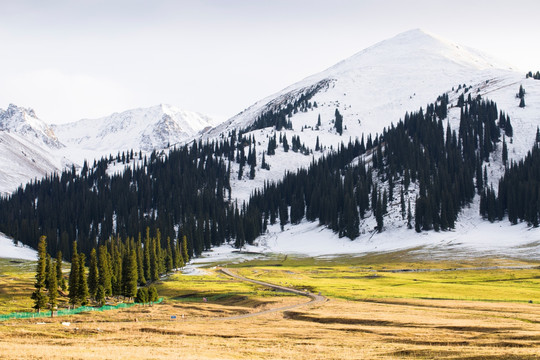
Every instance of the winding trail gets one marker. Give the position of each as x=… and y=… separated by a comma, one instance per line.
x=315, y=298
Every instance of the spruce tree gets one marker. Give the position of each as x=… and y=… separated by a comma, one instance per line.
x=82, y=282
x=59, y=275
x=53, y=289
x=93, y=276
x=409, y=216
x=152, y=294
x=104, y=272
x=185, y=253
x=142, y=296
x=74, y=277
x=505, y=152
x=283, y=214
x=100, y=295
x=338, y=123
x=130, y=277
x=39, y=297
x=169, y=256
x=48, y=265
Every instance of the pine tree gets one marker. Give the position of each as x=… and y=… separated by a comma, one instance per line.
x=283, y=214
x=185, y=253
x=48, y=265
x=59, y=275
x=409, y=216
x=53, y=289
x=152, y=294
x=338, y=124
x=130, y=277
x=104, y=272
x=168, y=256
x=100, y=295
x=402, y=203
x=522, y=102
x=93, y=276
x=504, y=152
x=74, y=277
x=82, y=282
x=40, y=299
x=379, y=211
x=142, y=296
x=285, y=143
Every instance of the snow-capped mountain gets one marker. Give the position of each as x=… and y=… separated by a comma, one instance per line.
x=28, y=148
x=371, y=89
x=139, y=129
x=379, y=84
x=24, y=122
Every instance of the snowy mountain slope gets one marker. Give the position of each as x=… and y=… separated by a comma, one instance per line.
x=9, y=250
x=138, y=129
x=377, y=85
x=24, y=122
x=28, y=148
x=371, y=89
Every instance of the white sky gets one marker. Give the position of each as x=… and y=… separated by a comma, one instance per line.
x=78, y=59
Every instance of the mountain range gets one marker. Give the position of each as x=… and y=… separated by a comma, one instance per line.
x=371, y=90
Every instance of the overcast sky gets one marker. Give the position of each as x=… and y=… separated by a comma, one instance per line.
x=83, y=59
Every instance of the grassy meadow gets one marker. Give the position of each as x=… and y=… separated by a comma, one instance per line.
x=377, y=308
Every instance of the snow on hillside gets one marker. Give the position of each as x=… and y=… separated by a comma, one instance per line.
x=139, y=129
x=373, y=89
x=9, y=250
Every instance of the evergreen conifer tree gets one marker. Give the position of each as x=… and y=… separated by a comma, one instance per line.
x=59, y=275
x=82, y=281
x=100, y=295
x=185, y=253
x=130, y=278
x=93, y=276
x=104, y=272
x=338, y=124
x=53, y=289
x=74, y=277
x=39, y=297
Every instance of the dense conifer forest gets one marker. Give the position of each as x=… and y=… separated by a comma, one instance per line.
x=185, y=193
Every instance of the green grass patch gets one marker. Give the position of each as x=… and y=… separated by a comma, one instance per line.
x=372, y=277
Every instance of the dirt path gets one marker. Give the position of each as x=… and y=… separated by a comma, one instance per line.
x=315, y=298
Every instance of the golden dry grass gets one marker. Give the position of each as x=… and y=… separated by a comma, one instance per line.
x=337, y=329
x=357, y=327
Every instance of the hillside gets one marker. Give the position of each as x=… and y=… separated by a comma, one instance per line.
x=357, y=143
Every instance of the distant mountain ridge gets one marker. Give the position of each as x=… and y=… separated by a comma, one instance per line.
x=139, y=129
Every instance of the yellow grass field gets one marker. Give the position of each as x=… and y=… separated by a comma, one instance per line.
x=390, y=319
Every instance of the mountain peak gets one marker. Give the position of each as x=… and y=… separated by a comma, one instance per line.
x=24, y=122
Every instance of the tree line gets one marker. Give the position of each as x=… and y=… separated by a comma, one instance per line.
x=124, y=268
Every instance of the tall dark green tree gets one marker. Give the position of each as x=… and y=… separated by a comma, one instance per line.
x=338, y=123
x=93, y=274
x=39, y=297
x=82, y=287
x=53, y=290
x=130, y=275
x=74, y=277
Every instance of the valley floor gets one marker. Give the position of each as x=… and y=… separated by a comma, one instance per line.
x=380, y=306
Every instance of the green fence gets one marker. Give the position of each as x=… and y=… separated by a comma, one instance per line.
x=64, y=312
